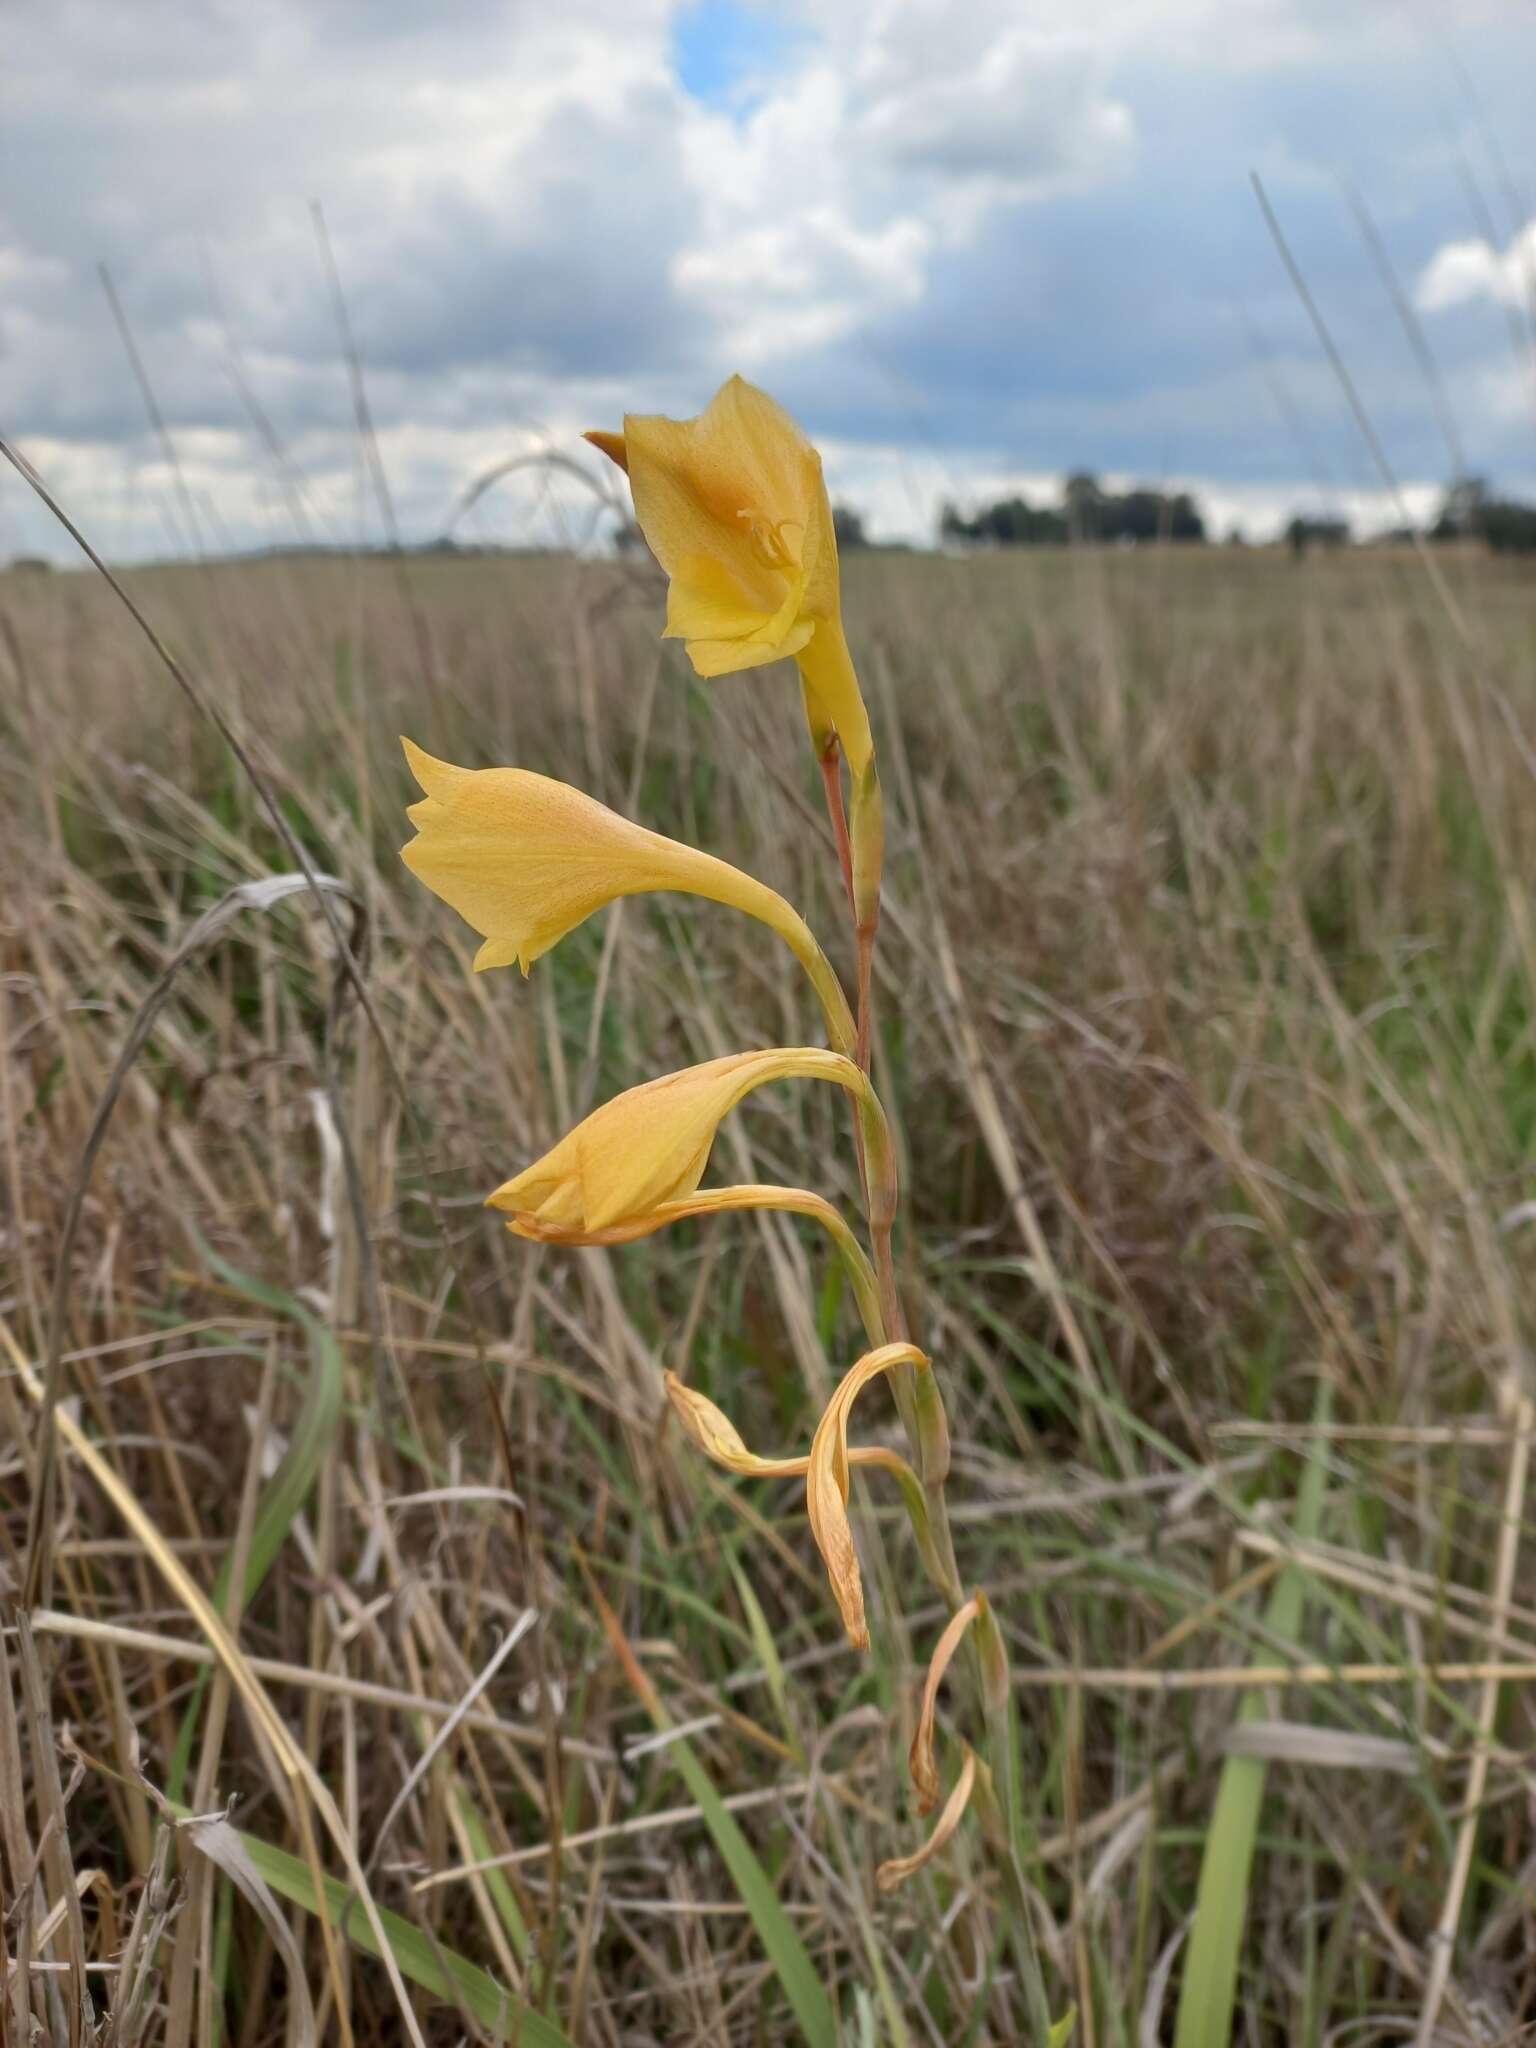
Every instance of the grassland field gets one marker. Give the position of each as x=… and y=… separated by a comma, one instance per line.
x=1208, y=1020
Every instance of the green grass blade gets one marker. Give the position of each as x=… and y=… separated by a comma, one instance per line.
x=766, y=1645
x=314, y=1431
x=791, y=1961
x=439, y=1970
x=1221, y=1906
x=786, y=1951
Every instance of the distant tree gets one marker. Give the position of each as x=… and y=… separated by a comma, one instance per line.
x=848, y=526
x=1463, y=510
x=30, y=565
x=1087, y=512
x=1082, y=501
x=1470, y=512
x=1510, y=528
x=1185, y=520
x=1303, y=533
x=1011, y=522
x=1236, y=538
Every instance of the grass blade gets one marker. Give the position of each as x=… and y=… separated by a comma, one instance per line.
x=1221, y=1906
x=792, y=1964
x=420, y=1959
x=314, y=1432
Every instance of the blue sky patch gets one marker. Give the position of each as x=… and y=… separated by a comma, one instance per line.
x=725, y=50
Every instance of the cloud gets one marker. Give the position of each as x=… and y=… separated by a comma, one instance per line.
x=1463, y=271
x=1022, y=116
x=1004, y=239
x=824, y=203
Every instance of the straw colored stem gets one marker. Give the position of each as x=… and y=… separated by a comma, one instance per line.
x=1444, y=1944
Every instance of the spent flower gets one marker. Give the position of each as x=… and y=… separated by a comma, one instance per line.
x=826, y=1483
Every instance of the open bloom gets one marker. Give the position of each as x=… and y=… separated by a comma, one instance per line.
x=524, y=859
x=626, y=1167
x=735, y=509
x=826, y=1483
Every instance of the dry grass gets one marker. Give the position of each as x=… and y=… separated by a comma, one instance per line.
x=1211, y=962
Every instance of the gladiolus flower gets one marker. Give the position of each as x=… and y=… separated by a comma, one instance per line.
x=525, y=859
x=627, y=1167
x=719, y=1201
x=826, y=1484
x=925, y=1770
x=735, y=509
x=896, y=1872
x=718, y=1438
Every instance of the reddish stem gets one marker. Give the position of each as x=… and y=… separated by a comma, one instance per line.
x=832, y=782
x=866, y=938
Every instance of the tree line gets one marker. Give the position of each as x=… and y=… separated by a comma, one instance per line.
x=1087, y=512
x=1470, y=510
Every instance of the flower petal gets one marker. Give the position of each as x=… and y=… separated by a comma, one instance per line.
x=925, y=1770
x=826, y=1484
x=718, y=1437
x=525, y=859
x=896, y=1872
x=611, y=445
x=647, y=1148
x=731, y=657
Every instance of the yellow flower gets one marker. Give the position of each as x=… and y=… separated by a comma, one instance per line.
x=627, y=1166
x=735, y=509
x=524, y=859
x=826, y=1484
x=718, y=1201
x=718, y=1438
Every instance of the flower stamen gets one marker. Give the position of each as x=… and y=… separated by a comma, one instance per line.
x=769, y=544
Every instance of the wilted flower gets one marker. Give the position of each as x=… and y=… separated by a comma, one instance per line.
x=524, y=859
x=925, y=1770
x=626, y=1167
x=826, y=1483
x=735, y=509
x=900, y=1868
x=718, y=1438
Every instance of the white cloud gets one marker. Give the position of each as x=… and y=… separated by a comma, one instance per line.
x=825, y=204
x=924, y=220
x=1462, y=271
x=1019, y=117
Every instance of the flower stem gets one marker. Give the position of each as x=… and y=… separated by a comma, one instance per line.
x=830, y=761
x=919, y=1400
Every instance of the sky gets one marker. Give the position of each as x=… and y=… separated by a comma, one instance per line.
x=971, y=247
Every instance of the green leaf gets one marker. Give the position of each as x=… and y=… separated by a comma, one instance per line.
x=792, y=1964
x=786, y=1951
x=421, y=1959
x=767, y=1653
x=285, y=1493
x=1221, y=1907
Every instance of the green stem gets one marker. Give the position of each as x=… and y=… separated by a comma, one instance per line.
x=921, y=1406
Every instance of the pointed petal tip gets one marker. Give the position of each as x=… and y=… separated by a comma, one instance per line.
x=416, y=758
x=436, y=777
x=611, y=445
